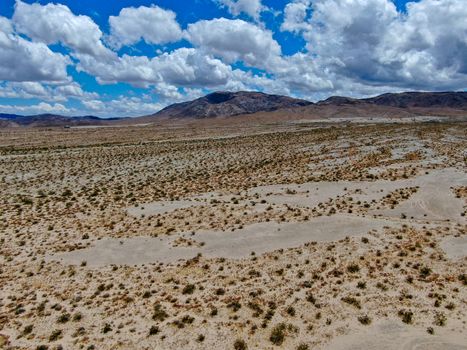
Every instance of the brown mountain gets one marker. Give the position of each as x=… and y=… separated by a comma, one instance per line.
x=457, y=100
x=227, y=104
x=262, y=106
x=50, y=120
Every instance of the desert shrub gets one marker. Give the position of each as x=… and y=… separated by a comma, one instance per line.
x=278, y=334
x=352, y=301
x=188, y=289
x=234, y=305
x=365, y=320
x=159, y=313
x=107, y=328
x=353, y=268
x=28, y=329
x=291, y=311
x=55, y=335
x=240, y=345
x=450, y=306
x=63, y=318
x=425, y=272
x=406, y=316
x=361, y=285
x=463, y=278
x=440, y=319
x=153, y=330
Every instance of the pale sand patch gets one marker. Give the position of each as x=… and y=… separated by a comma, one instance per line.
x=161, y=207
x=455, y=247
x=394, y=335
x=312, y=194
x=434, y=200
x=260, y=237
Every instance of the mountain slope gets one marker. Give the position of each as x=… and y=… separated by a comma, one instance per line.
x=49, y=120
x=457, y=100
x=227, y=104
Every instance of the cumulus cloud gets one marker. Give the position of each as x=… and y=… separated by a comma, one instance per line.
x=182, y=67
x=94, y=105
x=295, y=15
x=122, y=106
x=46, y=92
x=152, y=24
x=22, y=60
x=168, y=94
x=235, y=40
x=40, y=108
x=72, y=90
x=55, y=23
x=252, y=8
x=370, y=42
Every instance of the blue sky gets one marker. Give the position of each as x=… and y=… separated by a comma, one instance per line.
x=130, y=58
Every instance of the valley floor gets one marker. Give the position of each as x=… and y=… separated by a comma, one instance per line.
x=234, y=236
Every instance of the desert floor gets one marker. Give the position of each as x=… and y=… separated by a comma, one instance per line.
x=234, y=235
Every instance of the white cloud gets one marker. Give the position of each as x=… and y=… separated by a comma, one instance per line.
x=22, y=60
x=40, y=108
x=55, y=23
x=5, y=26
x=252, y=8
x=168, y=94
x=182, y=67
x=295, y=15
x=428, y=46
x=73, y=90
x=122, y=106
x=368, y=42
x=46, y=92
x=94, y=105
x=152, y=24
x=235, y=40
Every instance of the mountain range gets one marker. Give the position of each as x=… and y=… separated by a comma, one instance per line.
x=224, y=104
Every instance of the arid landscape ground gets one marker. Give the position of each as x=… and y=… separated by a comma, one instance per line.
x=237, y=234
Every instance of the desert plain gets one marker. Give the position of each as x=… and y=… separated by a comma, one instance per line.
x=235, y=235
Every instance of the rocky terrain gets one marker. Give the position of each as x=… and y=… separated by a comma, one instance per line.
x=234, y=234
x=227, y=104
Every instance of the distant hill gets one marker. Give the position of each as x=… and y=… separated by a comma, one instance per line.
x=227, y=104
x=50, y=120
x=456, y=100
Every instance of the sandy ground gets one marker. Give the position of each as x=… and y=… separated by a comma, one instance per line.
x=257, y=238
x=392, y=335
x=248, y=236
x=455, y=247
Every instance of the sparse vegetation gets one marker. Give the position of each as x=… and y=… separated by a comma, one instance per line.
x=69, y=193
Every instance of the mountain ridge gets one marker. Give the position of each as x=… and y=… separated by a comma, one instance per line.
x=224, y=104
x=451, y=99
x=227, y=104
